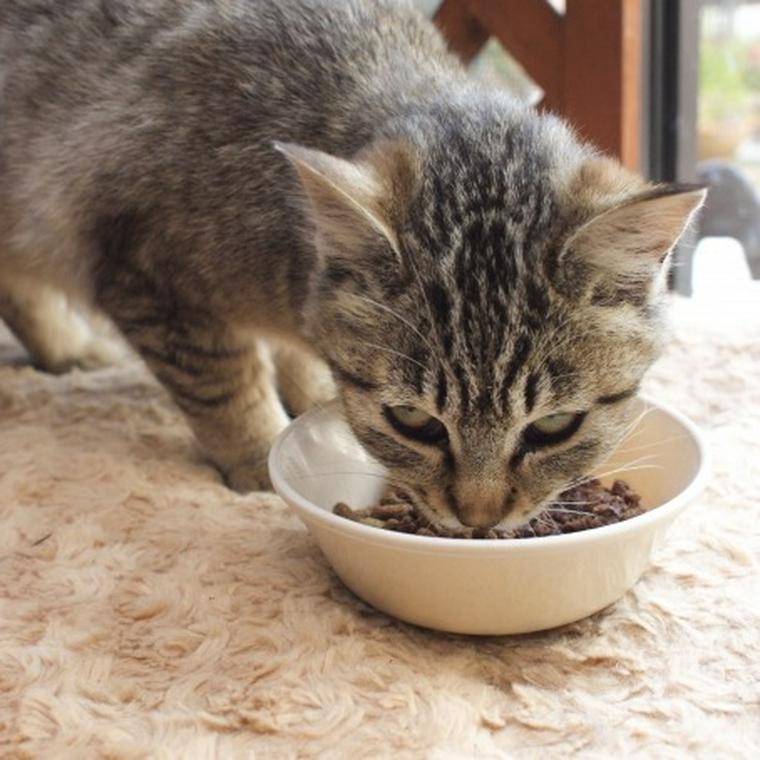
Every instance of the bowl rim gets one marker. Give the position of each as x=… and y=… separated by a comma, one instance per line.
x=435, y=544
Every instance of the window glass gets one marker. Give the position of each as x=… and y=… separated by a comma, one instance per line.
x=727, y=260
x=428, y=6
x=496, y=66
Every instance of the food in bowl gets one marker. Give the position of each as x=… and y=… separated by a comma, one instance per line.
x=582, y=507
x=486, y=587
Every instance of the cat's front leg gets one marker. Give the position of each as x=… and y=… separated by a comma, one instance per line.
x=303, y=380
x=224, y=382
x=57, y=334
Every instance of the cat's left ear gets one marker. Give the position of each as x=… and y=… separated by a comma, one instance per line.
x=630, y=242
x=348, y=200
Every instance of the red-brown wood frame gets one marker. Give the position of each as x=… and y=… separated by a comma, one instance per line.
x=587, y=60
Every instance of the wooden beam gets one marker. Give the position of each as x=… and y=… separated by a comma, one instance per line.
x=464, y=33
x=587, y=61
x=532, y=32
x=602, y=74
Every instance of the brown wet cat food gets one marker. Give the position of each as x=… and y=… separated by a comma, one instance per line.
x=590, y=505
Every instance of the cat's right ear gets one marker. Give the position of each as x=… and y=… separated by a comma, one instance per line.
x=629, y=243
x=347, y=199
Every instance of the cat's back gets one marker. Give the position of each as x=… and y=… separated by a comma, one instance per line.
x=313, y=52
x=173, y=105
x=154, y=92
x=118, y=80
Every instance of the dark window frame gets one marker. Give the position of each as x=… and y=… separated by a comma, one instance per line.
x=670, y=129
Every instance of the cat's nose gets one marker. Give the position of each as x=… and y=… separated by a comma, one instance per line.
x=481, y=505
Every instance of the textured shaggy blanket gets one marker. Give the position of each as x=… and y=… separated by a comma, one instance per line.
x=147, y=611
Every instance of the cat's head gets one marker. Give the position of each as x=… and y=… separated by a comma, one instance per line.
x=488, y=297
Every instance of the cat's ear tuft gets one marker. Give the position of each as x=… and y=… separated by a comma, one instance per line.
x=346, y=198
x=631, y=241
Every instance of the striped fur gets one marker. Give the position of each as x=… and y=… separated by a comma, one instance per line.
x=486, y=318
x=221, y=177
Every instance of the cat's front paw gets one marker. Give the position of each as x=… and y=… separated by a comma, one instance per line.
x=95, y=353
x=249, y=476
x=101, y=352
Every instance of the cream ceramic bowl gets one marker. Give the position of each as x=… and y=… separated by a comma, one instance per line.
x=484, y=586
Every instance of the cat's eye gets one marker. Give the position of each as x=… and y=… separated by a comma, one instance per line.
x=553, y=428
x=416, y=423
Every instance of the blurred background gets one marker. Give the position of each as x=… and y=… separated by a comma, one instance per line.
x=681, y=102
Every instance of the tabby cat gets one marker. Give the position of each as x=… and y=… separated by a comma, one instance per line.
x=253, y=189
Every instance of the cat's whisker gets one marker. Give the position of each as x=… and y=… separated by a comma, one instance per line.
x=620, y=467
x=362, y=473
x=393, y=351
x=567, y=512
x=330, y=473
x=395, y=482
x=617, y=472
x=400, y=318
x=628, y=434
x=626, y=467
x=423, y=290
x=547, y=520
x=636, y=421
x=643, y=446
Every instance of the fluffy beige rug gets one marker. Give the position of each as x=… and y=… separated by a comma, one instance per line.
x=146, y=611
